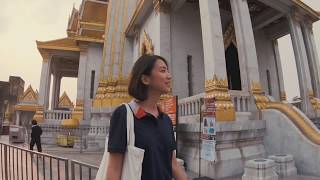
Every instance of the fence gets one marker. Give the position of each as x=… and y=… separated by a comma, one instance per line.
x=21, y=164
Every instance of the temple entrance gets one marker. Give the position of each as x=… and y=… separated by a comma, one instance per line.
x=233, y=69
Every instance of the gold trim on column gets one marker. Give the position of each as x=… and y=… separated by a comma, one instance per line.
x=102, y=89
x=110, y=90
x=259, y=96
x=39, y=115
x=315, y=102
x=113, y=45
x=218, y=88
x=103, y=63
x=77, y=113
x=121, y=92
x=123, y=39
x=283, y=96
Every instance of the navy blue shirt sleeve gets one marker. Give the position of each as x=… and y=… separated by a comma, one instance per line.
x=117, y=142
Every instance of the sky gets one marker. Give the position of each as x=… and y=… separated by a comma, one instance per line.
x=23, y=22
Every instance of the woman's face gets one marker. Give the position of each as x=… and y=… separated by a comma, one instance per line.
x=160, y=78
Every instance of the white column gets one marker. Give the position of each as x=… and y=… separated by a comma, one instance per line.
x=312, y=54
x=58, y=85
x=163, y=41
x=18, y=114
x=302, y=64
x=214, y=59
x=54, y=91
x=44, y=88
x=213, y=45
x=246, y=44
x=282, y=90
x=82, y=74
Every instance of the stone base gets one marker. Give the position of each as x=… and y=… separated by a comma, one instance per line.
x=236, y=142
x=77, y=144
x=260, y=169
x=93, y=145
x=285, y=165
x=48, y=138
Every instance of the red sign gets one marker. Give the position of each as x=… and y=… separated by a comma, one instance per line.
x=169, y=106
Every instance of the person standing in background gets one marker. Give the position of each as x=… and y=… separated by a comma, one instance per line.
x=36, y=132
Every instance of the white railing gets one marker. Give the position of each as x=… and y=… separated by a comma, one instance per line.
x=57, y=115
x=191, y=105
x=240, y=101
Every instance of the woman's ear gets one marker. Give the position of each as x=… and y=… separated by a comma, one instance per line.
x=145, y=80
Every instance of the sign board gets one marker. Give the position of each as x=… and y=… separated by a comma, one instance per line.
x=169, y=106
x=208, y=130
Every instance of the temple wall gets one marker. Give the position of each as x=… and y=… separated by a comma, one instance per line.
x=186, y=39
x=236, y=142
x=266, y=61
x=94, y=61
x=151, y=28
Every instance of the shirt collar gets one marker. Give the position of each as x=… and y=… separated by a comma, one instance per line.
x=139, y=112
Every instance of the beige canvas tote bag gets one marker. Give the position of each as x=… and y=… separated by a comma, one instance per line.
x=133, y=158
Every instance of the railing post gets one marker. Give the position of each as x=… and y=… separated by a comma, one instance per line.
x=67, y=169
x=72, y=171
x=5, y=162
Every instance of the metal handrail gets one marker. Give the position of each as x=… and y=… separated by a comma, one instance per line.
x=18, y=163
x=12, y=157
x=81, y=166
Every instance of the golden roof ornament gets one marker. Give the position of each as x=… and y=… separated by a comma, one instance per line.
x=146, y=45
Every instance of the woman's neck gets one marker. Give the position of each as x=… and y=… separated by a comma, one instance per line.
x=151, y=102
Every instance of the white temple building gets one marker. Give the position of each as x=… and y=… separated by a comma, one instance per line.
x=227, y=49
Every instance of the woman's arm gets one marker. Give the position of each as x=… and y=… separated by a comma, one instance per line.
x=114, y=168
x=178, y=172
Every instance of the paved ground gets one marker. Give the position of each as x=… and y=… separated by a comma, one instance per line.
x=92, y=158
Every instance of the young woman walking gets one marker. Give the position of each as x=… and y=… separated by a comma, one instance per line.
x=150, y=78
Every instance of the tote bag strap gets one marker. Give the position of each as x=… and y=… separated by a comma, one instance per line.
x=130, y=126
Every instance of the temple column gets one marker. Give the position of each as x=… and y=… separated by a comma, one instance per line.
x=306, y=91
x=78, y=111
x=54, y=92
x=44, y=88
x=58, y=85
x=247, y=51
x=283, y=96
x=163, y=41
x=216, y=83
x=312, y=54
x=18, y=116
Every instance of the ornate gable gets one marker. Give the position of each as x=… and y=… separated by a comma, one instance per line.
x=29, y=96
x=65, y=102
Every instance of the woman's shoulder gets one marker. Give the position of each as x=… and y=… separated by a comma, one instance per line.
x=120, y=109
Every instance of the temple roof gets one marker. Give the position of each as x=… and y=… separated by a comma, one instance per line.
x=89, y=22
x=73, y=23
x=66, y=44
x=28, y=101
x=65, y=102
x=304, y=6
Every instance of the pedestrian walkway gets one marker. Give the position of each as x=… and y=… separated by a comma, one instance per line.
x=93, y=158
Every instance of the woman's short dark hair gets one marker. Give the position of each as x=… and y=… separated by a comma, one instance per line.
x=143, y=66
